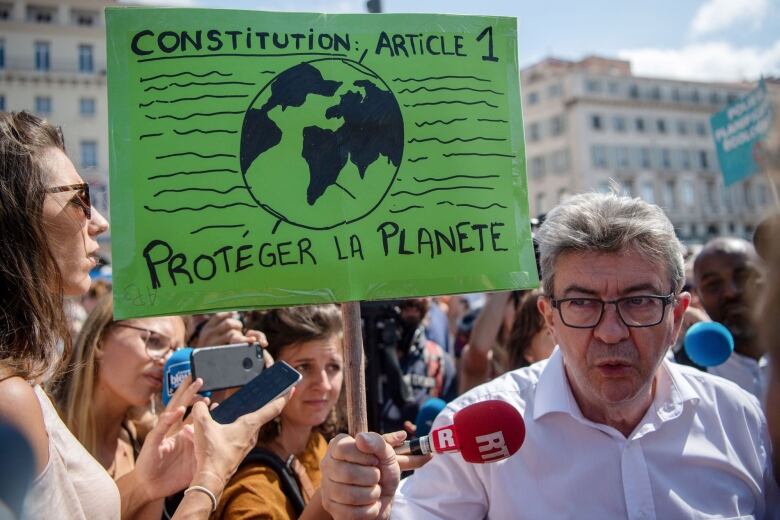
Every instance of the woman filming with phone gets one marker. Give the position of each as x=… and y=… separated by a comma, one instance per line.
x=281, y=475
x=49, y=245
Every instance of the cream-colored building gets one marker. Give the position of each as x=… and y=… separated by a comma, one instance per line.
x=591, y=122
x=53, y=63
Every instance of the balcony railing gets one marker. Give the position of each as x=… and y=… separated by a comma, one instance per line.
x=56, y=66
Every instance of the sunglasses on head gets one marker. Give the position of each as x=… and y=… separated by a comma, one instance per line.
x=81, y=199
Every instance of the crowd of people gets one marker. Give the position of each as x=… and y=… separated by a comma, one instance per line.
x=620, y=422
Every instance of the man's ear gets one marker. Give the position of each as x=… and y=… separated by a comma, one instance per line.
x=544, y=305
x=682, y=301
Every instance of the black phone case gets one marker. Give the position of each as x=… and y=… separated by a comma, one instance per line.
x=226, y=366
x=270, y=384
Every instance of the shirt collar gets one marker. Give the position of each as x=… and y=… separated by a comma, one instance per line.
x=553, y=392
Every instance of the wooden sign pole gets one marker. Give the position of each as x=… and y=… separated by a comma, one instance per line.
x=354, y=375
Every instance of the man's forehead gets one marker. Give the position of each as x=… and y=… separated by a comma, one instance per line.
x=619, y=272
x=719, y=261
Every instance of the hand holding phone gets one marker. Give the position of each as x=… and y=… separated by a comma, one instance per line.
x=273, y=382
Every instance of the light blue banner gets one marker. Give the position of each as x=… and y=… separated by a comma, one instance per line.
x=737, y=130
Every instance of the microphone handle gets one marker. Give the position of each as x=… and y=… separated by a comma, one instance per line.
x=420, y=446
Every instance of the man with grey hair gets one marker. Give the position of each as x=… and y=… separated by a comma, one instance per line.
x=613, y=430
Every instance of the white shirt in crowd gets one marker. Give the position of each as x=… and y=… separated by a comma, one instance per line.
x=701, y=451
x=73, y=485
x=750, y=374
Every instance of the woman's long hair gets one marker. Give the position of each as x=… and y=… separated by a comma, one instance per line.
x=32, y=318
x=295, y=325
x=527, y=324
x=74, y=391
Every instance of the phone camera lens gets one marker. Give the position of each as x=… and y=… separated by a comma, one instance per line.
x=247, y=363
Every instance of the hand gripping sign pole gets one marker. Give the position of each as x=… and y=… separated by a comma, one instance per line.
x=355, y=378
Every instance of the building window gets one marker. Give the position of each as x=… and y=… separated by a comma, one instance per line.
x=537, y=167
x=562, y=195
x=6, y=10
x=695, y=97
x=712, y=196
x=670, y=200
x=688, y=193
x=622, y=158
x=599, y=156
x=655, y=93
x=41, y=14
x=613, y=87
x=633, y=92
x=2, y=102
x=731, y=98
x=661, y=126
x=619, y=123
x=704, y=162
x=595, y=122
x=557, y=125
x=88, y=154
x=645, y=158
x=627, y=188
x=682, y=127
x=87, y=107
x=714, y=98
x=2, y=53
x=592, y=85
x=42, y=56
x=86, y=61
x=83, y=18
x=648, y=192
x=701, y=129
x=666, y=159
x=603, y=187
x=640, y=125
x=676, y=94
x=554, y=90
x=43, y=105
x=685, y=159
x=747, y=190
x=534, y=132
x=533, y=98
x=560, y=162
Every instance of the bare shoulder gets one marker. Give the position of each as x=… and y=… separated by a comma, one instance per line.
x=20, y=407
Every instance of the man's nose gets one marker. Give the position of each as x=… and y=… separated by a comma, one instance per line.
x=611, y=328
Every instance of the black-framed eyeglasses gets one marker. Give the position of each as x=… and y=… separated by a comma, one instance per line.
x=157, y=344
x=634, y=311
x=81, y=199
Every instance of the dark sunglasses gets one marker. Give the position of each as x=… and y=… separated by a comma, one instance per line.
x=81, y=199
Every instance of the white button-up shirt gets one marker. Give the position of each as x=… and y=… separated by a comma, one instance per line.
x=701, y=451
x=751, y=375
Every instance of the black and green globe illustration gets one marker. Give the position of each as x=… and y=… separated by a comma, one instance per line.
x=321, y=143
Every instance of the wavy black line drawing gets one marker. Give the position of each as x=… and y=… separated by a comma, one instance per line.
x=431, y=190
x=413, y=206
x=200, y=131
x=479, y=154
x=238, y=55
x=407, y=80
x=440, y=122
x=212, y=190
x=453, y=89
x=267, y=72
x=455, y=102
x=455, y=139
x=204, y=96
x=168, y=116
x=197, y=83
x=200, y=208
x=149, y=135
x=467, y=205
x=202, y=156
x=415, y=159
x=485, y=119
x=216, y=226
x=191, y=172
x=458, y=176
x=205, y=74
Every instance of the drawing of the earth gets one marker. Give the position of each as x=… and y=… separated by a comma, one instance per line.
x=321, y=143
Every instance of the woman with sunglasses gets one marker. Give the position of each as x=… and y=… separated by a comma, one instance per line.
x=49, y=244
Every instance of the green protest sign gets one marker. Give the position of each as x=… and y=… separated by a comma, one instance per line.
x=266, y=159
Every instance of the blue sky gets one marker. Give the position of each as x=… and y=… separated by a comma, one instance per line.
x=726, y=40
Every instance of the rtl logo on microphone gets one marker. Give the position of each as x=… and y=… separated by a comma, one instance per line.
x=492, y=446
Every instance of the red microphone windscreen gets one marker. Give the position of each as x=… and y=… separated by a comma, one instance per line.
x=489, y=431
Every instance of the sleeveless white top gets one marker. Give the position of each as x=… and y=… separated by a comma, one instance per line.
x=73, y=484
